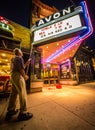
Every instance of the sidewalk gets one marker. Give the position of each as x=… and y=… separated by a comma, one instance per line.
x=69, y=108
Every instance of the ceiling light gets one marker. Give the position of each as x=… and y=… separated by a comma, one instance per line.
x=86, y=46
x=6, y=60
x=68, y=40
x=3, y=54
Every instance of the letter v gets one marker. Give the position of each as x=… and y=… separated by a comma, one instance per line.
x=48, y=18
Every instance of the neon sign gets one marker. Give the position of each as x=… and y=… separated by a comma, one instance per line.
x=66, y=22
x=86, y=29
x=55, y=16
x=5, y=26
x=3, y=20
x=79, y=38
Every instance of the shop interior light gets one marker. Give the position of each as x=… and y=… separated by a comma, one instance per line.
x=79, y=38
x=62, y=50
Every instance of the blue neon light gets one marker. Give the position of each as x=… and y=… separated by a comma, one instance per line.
x=79, y=38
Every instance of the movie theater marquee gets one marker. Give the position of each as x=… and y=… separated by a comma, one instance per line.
x=58, y=25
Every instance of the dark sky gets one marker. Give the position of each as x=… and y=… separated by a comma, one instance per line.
x=60, y=4
x=19, y=10
x=16, y=10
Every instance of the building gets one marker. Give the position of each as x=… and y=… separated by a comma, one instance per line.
x=61, y=63
x=12, y=35
x=62, y=59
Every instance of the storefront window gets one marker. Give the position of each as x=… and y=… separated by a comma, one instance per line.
x=36, y=65
x=83, y=64
x=65, y=70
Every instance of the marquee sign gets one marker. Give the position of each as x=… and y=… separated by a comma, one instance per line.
x=55, y=16
x=58, y=28
x=59, y=24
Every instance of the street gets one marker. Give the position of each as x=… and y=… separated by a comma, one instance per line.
x=68, y=108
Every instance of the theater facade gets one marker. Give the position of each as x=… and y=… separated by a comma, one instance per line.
x=59, y=45
x=56, y=43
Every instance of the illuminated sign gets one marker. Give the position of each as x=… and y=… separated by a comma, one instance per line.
x=58, y=28
x=77, y=40
x=3, y=20
x=55, y=16
x=59, y=25
x=5, y=27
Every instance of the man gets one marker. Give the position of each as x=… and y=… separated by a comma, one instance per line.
x=18, y=78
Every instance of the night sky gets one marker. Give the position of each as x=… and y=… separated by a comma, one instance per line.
x=19, y=11
x=16, y=10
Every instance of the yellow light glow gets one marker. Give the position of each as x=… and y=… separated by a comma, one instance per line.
x=72, y=91
x=6, y=60
x=3, y=54
x=57, y=44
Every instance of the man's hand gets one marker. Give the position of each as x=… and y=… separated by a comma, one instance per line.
x=26, y=77
x=27, y=62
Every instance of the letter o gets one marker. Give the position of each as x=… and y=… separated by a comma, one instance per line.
x=56, y=15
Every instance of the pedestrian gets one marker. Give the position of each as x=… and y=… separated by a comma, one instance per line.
x=18, y=78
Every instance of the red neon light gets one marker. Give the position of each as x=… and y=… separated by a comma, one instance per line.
x=3, y=20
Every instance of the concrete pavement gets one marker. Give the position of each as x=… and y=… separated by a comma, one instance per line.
x=69, y=108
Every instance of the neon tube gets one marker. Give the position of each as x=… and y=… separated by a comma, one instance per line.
x=79, y=38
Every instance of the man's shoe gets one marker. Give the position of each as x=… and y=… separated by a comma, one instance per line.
x=24, y=116
x=10, y=114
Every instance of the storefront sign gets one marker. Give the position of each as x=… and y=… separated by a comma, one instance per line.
x=58, y=25
x=3, y=20
x=55, y=16
x=57, y=28
x=5, y=26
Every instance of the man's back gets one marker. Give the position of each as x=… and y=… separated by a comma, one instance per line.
x=17, y=64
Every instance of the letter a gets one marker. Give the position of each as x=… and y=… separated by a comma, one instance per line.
x=41, y=22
